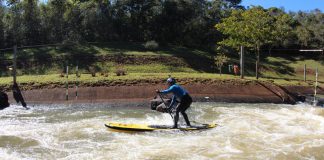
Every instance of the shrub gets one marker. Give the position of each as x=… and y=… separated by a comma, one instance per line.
x=92, y=71
x=120, y=71
x=62, y=74
x=151, y=45
x=105, y=74
x=220, y=60
x=104, y=69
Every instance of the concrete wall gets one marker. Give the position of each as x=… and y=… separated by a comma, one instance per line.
x=250, y=93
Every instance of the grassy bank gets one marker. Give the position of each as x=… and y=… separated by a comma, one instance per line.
x=43, y=66
x=55, y=80
x=105, y=56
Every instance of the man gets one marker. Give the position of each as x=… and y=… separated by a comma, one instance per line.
x=181, y=95
x=236, y=69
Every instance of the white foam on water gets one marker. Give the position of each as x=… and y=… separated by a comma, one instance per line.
x=8, y=154
x=245, y=131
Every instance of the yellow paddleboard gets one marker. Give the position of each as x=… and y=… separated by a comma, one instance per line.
x=144, y=127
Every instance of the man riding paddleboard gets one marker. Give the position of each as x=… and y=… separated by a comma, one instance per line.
x=180, y=95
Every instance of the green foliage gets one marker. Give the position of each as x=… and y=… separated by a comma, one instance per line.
x=310, y=31
x=250, y=28
x=12, y=20
x=31, y=22
x=282, y=32
x=185, y=22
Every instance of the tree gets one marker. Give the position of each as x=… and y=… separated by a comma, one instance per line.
x=220, y=60
x=172, y=20
x=2, y=26
x=12, y=22
x=104, y=28
x=250, y=28
x=282, y=31
x=310, y=31
x=93, y=18
x=57, y=26
x=73, y=17
x=181, y=22
x=31, y=22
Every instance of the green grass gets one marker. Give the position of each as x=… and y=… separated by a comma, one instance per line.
x=157, y=68
x=293, y=69
x=55, y=78
x=88, y=79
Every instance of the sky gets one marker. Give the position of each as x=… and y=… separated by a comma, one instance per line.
x=288, y=5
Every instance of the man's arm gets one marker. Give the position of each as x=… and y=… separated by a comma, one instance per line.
x=167, y=90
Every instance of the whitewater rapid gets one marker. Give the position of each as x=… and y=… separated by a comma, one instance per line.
x=245, y=131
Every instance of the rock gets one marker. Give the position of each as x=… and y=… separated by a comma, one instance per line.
x=3, y=100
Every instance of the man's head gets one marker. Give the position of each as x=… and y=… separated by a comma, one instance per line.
x=171, y=81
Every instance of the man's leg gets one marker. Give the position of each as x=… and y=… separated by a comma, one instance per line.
x=176, y=119
x=186, y=118
x=182, y=108
x=186, y=104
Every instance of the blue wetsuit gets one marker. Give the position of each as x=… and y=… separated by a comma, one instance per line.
x=185, y=101
x=178, y=93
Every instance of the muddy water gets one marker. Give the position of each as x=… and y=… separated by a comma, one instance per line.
x=246, y=131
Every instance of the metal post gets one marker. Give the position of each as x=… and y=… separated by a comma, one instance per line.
x=316, y=80
x=242, y=62
x=304, y=72
x=14, y=72
x=77, y=82
x=67, y=84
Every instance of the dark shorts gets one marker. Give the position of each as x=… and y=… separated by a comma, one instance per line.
x=185, y=103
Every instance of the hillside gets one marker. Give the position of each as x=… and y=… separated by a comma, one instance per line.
x=133, y=58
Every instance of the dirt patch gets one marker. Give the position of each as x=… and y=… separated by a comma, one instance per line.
x=308, y=71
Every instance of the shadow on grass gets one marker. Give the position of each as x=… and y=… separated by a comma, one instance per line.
x=198, y=60
x=118, y=47
x=42, y=60
x=280, y=66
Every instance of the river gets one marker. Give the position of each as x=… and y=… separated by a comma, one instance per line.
x=245, y=131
